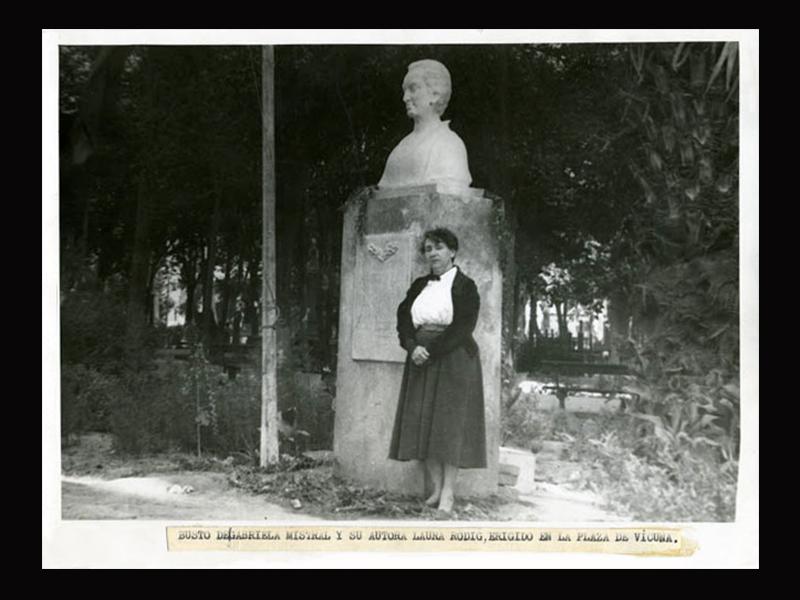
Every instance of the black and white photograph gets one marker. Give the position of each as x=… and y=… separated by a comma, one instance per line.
x=440, y=279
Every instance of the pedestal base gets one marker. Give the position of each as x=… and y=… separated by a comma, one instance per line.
x=380, y=258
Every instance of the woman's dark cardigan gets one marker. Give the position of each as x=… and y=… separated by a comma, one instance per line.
x=466, y=304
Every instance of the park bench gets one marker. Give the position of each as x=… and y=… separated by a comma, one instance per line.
x=577, y=378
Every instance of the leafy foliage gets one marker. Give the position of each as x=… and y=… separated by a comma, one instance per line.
x=683, y=240
x=86, y=398
x=318, y=490
x=681, y=249
x=91, y=328
x=664, y=477
x=619, y=164
x=524, y=426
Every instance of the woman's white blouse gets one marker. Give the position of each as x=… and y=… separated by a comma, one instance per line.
x=434, y=305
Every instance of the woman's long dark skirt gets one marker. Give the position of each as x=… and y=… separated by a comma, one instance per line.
x=440, y=414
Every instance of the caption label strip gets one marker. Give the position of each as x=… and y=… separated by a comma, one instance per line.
x=635, y=541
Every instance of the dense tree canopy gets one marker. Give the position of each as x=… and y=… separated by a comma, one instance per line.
x=618, y=162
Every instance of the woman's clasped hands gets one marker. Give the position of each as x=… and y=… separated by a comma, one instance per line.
x=420, y=356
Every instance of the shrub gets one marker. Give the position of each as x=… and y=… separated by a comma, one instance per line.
x=522, y=425
x=188, y=406
x=92, y=328
x=525, y=425
x=168, y=407
x=150, y=413
x=638, y=474
x=86, y=399
x=312, y=407
x=238, y=416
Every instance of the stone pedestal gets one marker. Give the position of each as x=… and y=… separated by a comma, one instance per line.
x=380, y=258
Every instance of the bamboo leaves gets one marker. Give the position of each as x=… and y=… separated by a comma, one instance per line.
x=727, y=59
x=698, y=69
x=637, y=54
x=668, y=134
x=655, y=159
x=682, y=54
x=687, y=152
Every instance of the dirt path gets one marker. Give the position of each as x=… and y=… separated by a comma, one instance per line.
x=150, y=497
x=554, y=503
x=98, y=485
x=546, y=490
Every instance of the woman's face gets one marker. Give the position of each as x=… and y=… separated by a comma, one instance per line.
x=439, y=256
x=418, y=97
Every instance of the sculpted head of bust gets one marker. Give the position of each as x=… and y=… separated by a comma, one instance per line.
x=431, y=153
x=426, y=89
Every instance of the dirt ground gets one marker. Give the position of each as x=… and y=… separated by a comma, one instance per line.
x=98, y=484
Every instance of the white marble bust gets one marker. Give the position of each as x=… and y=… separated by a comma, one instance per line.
x=431, y=153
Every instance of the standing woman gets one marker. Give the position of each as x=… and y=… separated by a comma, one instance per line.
x=440, y=414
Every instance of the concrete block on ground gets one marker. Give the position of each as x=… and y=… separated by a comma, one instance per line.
x=525, y=463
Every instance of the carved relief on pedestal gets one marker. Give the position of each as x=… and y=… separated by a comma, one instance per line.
x=384, y=253
x=383, y=272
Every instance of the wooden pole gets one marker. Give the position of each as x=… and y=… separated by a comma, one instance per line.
x=269, y=395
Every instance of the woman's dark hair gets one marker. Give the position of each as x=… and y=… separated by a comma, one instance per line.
x=440, y=234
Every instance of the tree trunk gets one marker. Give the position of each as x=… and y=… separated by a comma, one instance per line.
x=252, y=316
x=190, y=277
x=137, y=289
x=561, y=317
x=290, y=206
x=152, y=287
x=504, y=147
x=269, y=309
x=518, y=311
x=534, y=331
x=150, y=313
x=84, y=239
x=200, y=281
x=300, y=262
x=508, y=319
x=189, y=310
x=325, y=318
x=209, y=321
x=618, y=318
x=238, y=321
x=327, y=289
x=226, y=291
x=140, y=255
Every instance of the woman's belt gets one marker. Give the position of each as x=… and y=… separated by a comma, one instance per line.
x=431, y=327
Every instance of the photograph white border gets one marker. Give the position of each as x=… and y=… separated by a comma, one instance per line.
x=134, y=544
